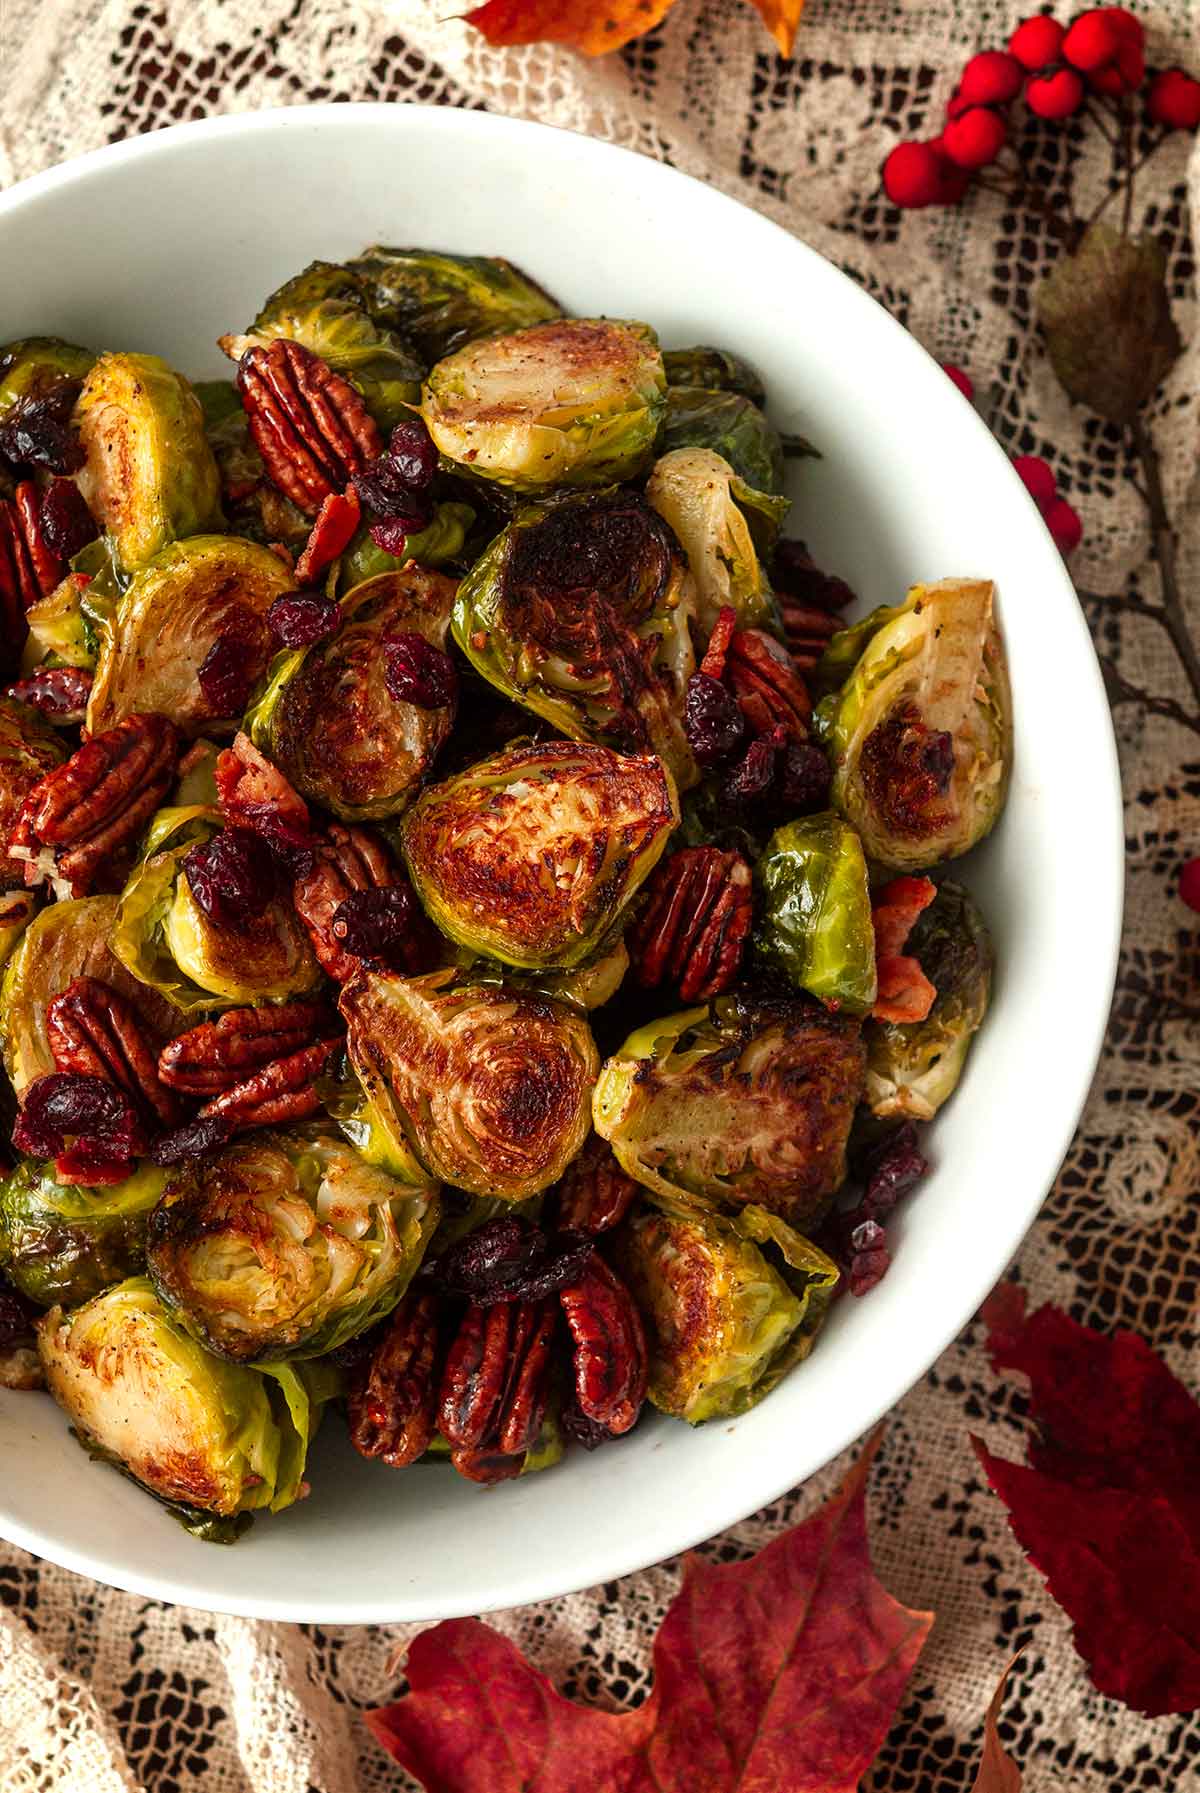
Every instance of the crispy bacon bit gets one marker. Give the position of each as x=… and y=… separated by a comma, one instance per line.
x=331, y=534
x=904, y=992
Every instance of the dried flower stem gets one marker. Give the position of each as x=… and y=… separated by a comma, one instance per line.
x=1163, y=537
x=1121, y=691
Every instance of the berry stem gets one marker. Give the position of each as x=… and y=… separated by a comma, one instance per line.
x=1163, y=537
x=1127, y=153
x=1097, y=119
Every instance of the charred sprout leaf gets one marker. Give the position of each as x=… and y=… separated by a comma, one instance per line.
x=327, y=718
x=1111, y=291
x=530, y=856
x=815, y=912
x=166, y=940
x=575, y=402
x=708, y=508
x=194, y=596
x=736, y=429
x=439, y=544
x=149, y=475
x=285, y=1245
x=29, y=748
x=62, y=1243
x=920, y=733
x=372, y=1128
x=730, y=1304
x=713, y=370
x=580, y=612
x=913, y=1068
x=196, y=1432
x=745, y=1104
x=490, y=1088
x=442, y=301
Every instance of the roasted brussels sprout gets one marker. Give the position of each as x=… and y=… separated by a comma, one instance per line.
x=912, y=1067
x=575, y=402
x=713, y=370
x=442, y=301
x=165, y=939
x=149, y=476
x=62, y=1243
x=490, y=1088
x=29, y=748
x=730, y=1304
x=588, y=985
x=579, y=611
x=751, y=1102
x=921, y=730
x=706, y=505
x=530, y=856
x=815, y=911
x=439, y=544
x=33, y=367
x=327, y=718
x=62, y=631
x=208, y=1438
x=736, y=429
x=285, y=1245
x=67, y=940
x=196, y=594
x=219, y=402
x=17, y=910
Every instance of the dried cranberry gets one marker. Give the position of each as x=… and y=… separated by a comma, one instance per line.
x=233, y=876
x=57, y=691
x=207, y=1133
x=795, y=573
x=302, y=618
x=412, y=454
x=66, y=1105
x=892, y=1169
x=38, y=431
x=714, y=722
x=386, y=928
x=869, y=1256
x=64, y=519
x=16, y=1316
x=508, y=1260
x=752, y=778
x=391, y=501
x=229, y=671
x=416, y=672
x=804, y=778
x=577, y=1426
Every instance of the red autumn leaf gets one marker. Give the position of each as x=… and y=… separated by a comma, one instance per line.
x=998, y=1773
x=779, y=1674
x=595, y=29
x=1109, y=1507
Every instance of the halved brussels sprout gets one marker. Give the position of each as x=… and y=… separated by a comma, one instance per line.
x=371, y=1128
x=921, y=730
x=530, y=856
x=61, y=630
x=285, y=1245
x=196, y=593
x=575, y=402
x=60, y=1243
x=439, y=544
x=751, y=1102
x=815, y=911
x=713, y=370
x=490, y=1088
x=588, y=985
x=730, y=1304
x=17, y=910
x=219, y=402
x=150, y=476
x=29, y=748
x=206, y=1437
x=165, y=939
x=706, y=505
x=327, y=718
x=736, y=429
x=913, y=1067
x=69, y=939
x=441, y=301
x=34, y=366
x=579, y=611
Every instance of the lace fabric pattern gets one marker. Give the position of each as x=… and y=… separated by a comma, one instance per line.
x=107, y=1693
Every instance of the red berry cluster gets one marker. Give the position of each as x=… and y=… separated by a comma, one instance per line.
x=1061, y=518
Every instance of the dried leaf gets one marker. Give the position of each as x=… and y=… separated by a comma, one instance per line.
x=779, y=1674
x=1109, y=1508
x=580, y=23
x=998, y=1773
x=1107, y=317
x=781, y=17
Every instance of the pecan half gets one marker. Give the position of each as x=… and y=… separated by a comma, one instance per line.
x=611, y=1365
x=392, y=1412
x=493, y=1392
x=284, y=1090
x=96, y=804
x=766, y=684
x=95, y=1031
x=46, y=566
x=310, y=426
x=348, y=859
x=18, y=573
x=694, y=927
x=219, y=1054
x=594, y=1193
x=808, y=629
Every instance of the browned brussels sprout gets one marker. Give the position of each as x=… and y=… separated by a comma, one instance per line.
x=713, y=370
x=711, y=510
x=29, y=748
x=440, y=301
x=724, y=423
x=63, y=1243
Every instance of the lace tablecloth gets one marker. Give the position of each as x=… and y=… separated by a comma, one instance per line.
x=100, y=1691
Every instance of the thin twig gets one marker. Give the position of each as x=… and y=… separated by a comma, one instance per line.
x=1120, y=691
x=1125, y=605
x=1127, y=147
x=1163, y=537
x=1098, y=121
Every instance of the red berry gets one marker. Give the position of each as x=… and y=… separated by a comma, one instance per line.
x=913, y=176
x=992, y=78
x=962, y=380
x=957, y=104
x=1174, y=100
x=1063, y=522
x=976, y=138
x=1036, y=42
x=1091, y=41
x=1037, y=476
x=1055, y=95
x=1128, y=28
x=1189, y=884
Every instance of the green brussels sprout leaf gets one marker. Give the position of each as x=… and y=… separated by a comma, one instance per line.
x=699, y=495
x=815, y=911
x=442, y=301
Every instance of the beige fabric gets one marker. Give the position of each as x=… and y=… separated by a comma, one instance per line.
x=102, y=1692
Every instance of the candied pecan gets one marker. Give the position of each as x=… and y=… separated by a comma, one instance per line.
x=94, y=1030
x=218, y=1054
x=611, y=1365
x=486, y=1466
x=284, y=1090
x=493, y=1392
x=349, y=858
x=18, y=575
x=392, y=1411
x=594, y=1193
x=766, y=684
x=694, y=926
x=60, y=692
x=45, y=565
x=96, y=804
x=331, y=534
x=310, y=426
x=808, y=630
x=796, y=575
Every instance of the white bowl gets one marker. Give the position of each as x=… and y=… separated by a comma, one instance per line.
x=164, y=242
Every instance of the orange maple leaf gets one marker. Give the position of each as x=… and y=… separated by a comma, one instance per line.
x=596, y=28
